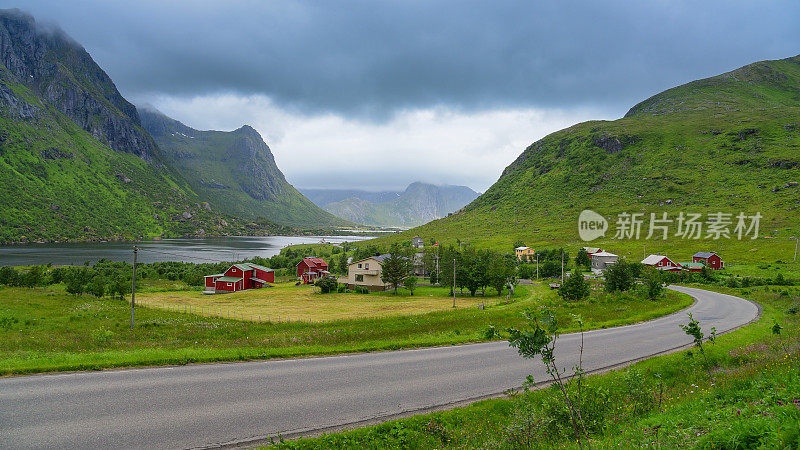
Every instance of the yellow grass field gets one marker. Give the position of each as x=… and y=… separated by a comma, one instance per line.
x=287, y=302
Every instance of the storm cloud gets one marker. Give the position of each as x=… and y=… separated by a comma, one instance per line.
x=373, y=58
x=371, y=67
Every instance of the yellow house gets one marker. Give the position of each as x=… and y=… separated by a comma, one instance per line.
x=524, y=253
x=366, y=273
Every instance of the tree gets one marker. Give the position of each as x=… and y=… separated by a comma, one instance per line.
x=410, y=283
x=97, y=286
x=77, y=279
x=540, y=339
x=619, y=277
x=500, y=271
x=395, y=269
x=583, y=259
x=575, y=287
x=343, y=263
x=121, y=286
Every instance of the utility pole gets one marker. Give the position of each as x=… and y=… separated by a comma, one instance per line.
x=537, y=266
x=438, y=273
x=562, y=266
x=133, y=286
x=454, y=282
x=796, y=244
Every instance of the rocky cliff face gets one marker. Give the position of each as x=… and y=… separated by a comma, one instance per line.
x=61, y=72
x=234, y=171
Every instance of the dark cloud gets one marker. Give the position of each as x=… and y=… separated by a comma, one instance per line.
x=370, y=59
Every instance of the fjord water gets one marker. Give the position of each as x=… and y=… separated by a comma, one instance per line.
x=199, y=250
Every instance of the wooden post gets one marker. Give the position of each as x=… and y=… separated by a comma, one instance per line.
x=133, y=285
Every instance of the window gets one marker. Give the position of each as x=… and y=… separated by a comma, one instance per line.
x=360, y=278
x=366, y=266
x=233, y=269
x=230, y=284
x=359, y=266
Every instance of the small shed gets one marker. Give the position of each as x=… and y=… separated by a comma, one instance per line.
x=601, y=260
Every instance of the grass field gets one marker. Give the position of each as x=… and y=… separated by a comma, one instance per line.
x=749, y=397
x=46, y=329
x=286, y=302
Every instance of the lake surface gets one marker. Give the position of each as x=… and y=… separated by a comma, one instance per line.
x=199, y=250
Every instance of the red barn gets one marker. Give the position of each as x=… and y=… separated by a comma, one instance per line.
x=240, y=277
x=710, y=259
x=661, y=262
x=309, y=269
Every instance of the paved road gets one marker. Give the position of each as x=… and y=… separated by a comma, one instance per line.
x=212, y=404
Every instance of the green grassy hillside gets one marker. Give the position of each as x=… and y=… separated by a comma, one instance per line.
x=723, y=144
x=235, y=172
x=60, y=183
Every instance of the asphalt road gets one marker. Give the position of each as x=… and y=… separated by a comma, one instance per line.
x=213, y=404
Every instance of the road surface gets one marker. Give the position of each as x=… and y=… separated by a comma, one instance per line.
x=207, y=405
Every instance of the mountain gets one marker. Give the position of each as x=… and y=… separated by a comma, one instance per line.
x=418, y=204
x=729, y=143
x=75, y=162
x=322, y=197
x=235, y=172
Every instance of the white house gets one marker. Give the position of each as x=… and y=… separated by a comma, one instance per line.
x=661, y=262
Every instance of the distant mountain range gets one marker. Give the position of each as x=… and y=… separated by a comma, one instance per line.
x=77, y=162
x=419, y=203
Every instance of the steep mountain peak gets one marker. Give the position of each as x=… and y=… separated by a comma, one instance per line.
x=235, y=171
x=44, y=59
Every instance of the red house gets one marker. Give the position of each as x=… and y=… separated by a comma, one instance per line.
x=661, y=262
x=710, y=259
x=240, y=277
x=310, y=269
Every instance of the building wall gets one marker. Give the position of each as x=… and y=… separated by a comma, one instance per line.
x=266, y=276
x=370, y=277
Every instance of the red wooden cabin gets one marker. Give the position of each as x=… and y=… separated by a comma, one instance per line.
x=310, y=269
x=240, y=277
x=710, y=259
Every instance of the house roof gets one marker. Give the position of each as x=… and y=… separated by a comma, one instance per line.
x=691, y=265
x=592, y=250
x=258, y=280
x=243, y=267
x=229, y=279
x=522, y=248
x=313, y=263
x=602, y=254
x=259, y=267
x=653, y=259
x=379, y=258
x=704, y=254
x=216, y=275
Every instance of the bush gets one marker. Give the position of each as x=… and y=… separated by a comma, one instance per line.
x=327, y=285
x=9, y=276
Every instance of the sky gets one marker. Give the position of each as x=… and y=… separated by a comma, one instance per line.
x=377, y=94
